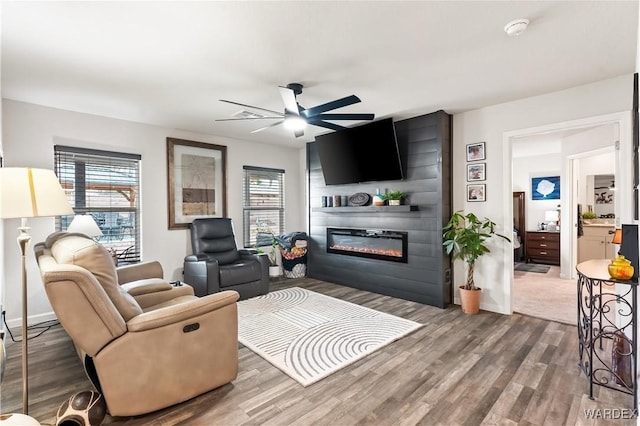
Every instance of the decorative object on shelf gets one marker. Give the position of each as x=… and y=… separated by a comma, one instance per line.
x=344, y=201
x=378, y=199
x=360, y=199
x=545, y=188
x=476, y=192
x=324, y=201
x=475, y=151
x=464, y=236
x=476, y=172
x=25, y=193
x=394, y=198
x=86, y=408
x=337, y=201
x=620, y=268
x=13, y=419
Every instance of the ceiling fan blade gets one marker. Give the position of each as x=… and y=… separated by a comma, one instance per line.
x=338, y=103
x=248, y=118
x=267, y=127
x=344, y=116
x=254, y=107
x=289, y=100
x=326, y=124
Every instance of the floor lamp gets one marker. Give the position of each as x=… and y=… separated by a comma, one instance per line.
x=25, y=193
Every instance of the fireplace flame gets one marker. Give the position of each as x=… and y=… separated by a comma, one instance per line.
x=369, y=250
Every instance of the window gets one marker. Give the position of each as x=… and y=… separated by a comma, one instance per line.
x=263, y=202
x=105, y=185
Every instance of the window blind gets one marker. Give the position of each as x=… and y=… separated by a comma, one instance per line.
x=263, y=202
x=105, y=185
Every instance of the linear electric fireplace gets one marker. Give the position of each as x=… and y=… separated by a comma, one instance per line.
x=370, y=243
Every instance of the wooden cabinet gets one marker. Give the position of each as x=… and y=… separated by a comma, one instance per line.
x=543, y=247
x=595, y=243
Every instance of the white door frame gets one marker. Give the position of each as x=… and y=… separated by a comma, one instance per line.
x=624, y=184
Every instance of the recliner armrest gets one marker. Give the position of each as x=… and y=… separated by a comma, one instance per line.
x=182, y=311
x=196, y=257
x=247, y=251
x=139, y=287
x=139, y=271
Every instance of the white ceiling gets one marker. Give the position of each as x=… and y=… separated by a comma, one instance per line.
x=168, y=63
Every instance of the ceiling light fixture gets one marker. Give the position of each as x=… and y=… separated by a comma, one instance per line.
x=295, y=122
x=516, y=27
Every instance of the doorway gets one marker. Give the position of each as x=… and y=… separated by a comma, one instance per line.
x=568, y=133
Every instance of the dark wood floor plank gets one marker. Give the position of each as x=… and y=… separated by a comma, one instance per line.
x=485, y=369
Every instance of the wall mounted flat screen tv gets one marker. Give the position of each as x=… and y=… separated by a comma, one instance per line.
x=363, y=153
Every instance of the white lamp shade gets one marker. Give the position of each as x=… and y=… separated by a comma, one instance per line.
x=85, y=224
x=551, y=216
x=27, y=192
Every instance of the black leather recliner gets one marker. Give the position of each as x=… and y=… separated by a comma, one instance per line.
x=216, y=263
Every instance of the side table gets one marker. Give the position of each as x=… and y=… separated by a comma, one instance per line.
x=607, y=329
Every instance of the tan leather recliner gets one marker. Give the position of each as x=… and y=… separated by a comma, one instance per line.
x=145, y=343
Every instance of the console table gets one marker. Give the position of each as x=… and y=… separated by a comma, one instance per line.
x=607, y=329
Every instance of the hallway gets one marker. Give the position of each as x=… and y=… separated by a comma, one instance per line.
x=545, y=296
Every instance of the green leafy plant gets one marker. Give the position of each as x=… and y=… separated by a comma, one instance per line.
x=588, y=215
x=272, y=255
x=393, y=195
x=273, y=258
x=464, y=236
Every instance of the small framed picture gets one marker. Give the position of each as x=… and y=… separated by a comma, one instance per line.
x=475, y=151
x=476, y=192
x=476, y=171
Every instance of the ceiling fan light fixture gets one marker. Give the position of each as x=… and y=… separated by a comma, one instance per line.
x=295, y=123
x=516, y=27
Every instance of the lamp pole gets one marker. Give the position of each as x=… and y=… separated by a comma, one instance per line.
x=23, y=242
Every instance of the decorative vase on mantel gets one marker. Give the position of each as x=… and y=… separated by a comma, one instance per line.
x=378, y=199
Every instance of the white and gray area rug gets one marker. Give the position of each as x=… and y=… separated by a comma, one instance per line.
x=309, y=336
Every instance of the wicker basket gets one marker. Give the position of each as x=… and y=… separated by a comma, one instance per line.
x=295, y=268
x=298, y=271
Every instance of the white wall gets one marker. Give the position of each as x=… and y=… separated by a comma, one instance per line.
x=494, y=272
x=29, y=133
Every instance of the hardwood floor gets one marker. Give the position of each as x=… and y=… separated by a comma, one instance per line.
x=456, y=370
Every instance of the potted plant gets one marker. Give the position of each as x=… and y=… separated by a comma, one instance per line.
x=274, y=269
x=465, y=237
x=393, y=198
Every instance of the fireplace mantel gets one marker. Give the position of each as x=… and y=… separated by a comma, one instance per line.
x=359, y=209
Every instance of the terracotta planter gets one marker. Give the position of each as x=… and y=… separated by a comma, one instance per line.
x=470, y=300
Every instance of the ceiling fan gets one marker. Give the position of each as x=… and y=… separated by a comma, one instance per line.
x=296, y=117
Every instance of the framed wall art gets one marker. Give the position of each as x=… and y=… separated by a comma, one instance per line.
x=475, y=151
x=476, y=172
x=476, y=192
x=196, y=181
x=545, y=188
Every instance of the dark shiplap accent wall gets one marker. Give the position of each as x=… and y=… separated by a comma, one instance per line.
x=425, y=149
